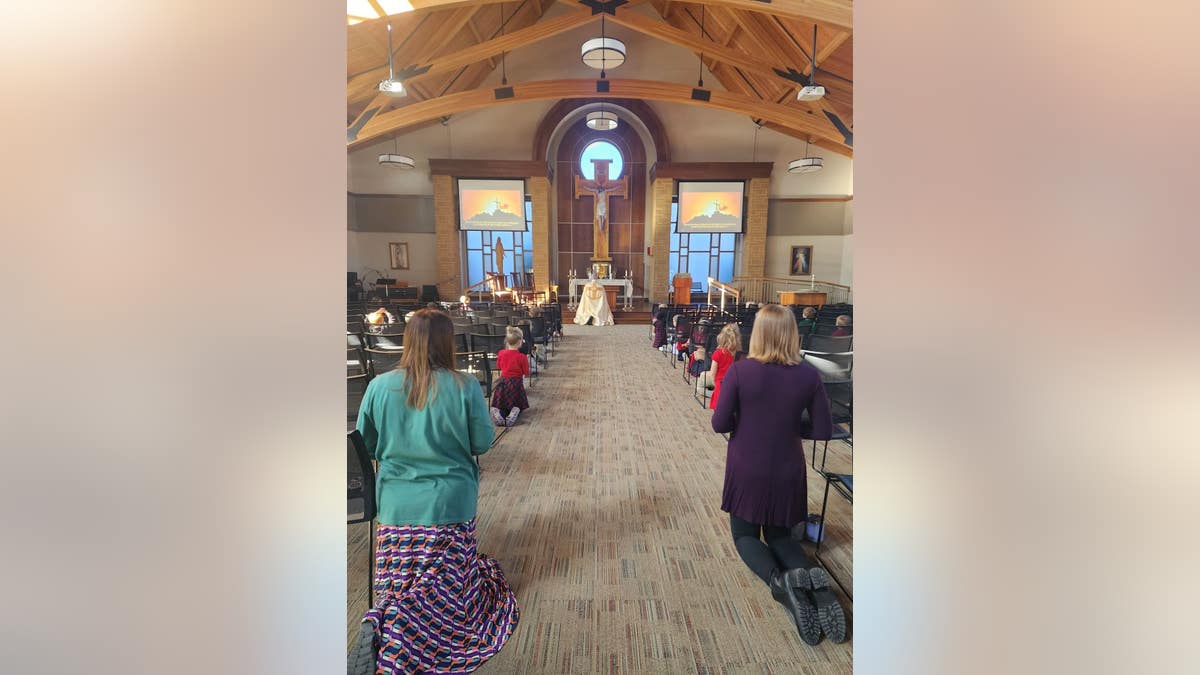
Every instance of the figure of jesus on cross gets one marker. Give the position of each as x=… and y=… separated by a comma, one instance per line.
x=601, y=189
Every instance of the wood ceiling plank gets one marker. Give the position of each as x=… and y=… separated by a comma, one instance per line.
x=689, y=40
x=837, y=13
x=670, y=92
x=519, y=38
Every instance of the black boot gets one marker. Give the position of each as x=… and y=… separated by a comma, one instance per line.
x=799, y=607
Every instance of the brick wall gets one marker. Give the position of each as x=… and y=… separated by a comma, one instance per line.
x=449, y=263
x=660, y=260
x=539, y=192
x=754, y=242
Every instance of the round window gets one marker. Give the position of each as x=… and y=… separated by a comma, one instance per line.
x=600, y=150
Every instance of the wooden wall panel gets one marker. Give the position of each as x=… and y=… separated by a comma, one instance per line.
x=627, y=215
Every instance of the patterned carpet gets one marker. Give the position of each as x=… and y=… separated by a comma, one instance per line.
x=602, y=506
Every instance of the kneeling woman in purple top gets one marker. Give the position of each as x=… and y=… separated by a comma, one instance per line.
x=766, y=485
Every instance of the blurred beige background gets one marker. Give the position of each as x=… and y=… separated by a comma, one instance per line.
x=174, y=217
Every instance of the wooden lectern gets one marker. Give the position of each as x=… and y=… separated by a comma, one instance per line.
x=816, y=298
x=683, y=289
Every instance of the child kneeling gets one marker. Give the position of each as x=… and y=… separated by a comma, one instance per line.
x=508, y=396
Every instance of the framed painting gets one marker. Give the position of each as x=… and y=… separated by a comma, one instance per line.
x=399, y=255
x=801, y=261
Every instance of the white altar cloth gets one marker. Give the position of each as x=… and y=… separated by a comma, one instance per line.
x=593, y=304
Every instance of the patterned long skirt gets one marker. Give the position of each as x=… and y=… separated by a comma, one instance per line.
x=440, y=607
x=509, y=393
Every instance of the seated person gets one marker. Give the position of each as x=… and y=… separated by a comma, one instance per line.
x=842, y=328
x=660, y=327
x=697, y=362
x=380, y=317
x=808, y=317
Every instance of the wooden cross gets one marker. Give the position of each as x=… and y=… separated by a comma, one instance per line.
x=601, y=189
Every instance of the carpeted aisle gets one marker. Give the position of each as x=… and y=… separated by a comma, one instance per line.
x=602, y=506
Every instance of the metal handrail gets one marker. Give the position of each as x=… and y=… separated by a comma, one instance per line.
x=767, y=289
x=725, y=290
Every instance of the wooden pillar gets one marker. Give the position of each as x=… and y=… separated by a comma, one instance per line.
x=660, y=240
x=539, y=192
x=449, y=247
x=754, y=243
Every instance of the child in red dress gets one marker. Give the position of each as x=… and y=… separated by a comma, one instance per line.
x=508, y=396
x=729, y=343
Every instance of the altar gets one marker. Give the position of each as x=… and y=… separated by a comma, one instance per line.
x=626, y=284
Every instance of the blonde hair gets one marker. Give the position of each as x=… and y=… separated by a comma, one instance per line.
x=775, y=338
x=513, y=338
x=730, y=338
x=808, y=313
x=843, y=320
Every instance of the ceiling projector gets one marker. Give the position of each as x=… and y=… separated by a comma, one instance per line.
x=397, y=161
x=810, y=92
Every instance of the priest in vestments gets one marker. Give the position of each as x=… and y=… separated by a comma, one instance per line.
x=593, y=305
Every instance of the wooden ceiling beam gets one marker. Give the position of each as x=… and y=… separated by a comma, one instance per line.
x=433, y=40
x=523, y=37
x=677, y=36
x=815, y=140
x=828, y=49
x=768, y=35
x=835, y=13
x=402, y=118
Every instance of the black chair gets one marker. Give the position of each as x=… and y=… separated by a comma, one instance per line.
x=356, y=386
x=528, y=348
x=462, y=341
x=383, y=360
x=476, y=365
x=356, y=361
x=360, y=499
x=841, y=407
x=827, y=344
x=832, y=367
x=488, y=344
x=843, y=483
x=541, y=335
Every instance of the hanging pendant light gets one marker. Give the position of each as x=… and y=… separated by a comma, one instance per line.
x=602, y=120
x=806, y=164
x=396, y=160
x=391, y=86
x=603, y=52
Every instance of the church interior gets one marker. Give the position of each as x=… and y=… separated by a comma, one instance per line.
x=620, y=180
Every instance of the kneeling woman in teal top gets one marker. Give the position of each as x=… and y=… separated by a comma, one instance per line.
x=440, y=607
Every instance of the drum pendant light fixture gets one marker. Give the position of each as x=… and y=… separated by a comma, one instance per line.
x=602, y=120
x=396, y=160
x=806, y=164
x=603, y=52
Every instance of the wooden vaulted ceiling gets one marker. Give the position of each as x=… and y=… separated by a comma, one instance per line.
x=445, y=49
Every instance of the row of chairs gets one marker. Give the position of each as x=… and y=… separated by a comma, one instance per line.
x=833, y=357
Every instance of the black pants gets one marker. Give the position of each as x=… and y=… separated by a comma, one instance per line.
x=779, y=552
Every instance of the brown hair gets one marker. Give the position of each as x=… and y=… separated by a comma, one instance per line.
x=428, y=346
x=730, y=338
x=775, y=338
x=808, y=313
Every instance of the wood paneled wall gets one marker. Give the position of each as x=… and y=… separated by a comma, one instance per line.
x=627, y=215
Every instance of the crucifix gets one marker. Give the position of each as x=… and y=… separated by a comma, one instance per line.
x=600, y=189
